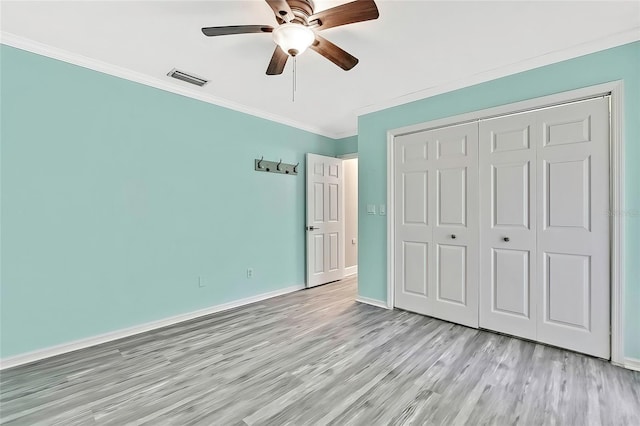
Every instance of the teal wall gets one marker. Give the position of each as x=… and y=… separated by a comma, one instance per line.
x=116, y=197
x=621, y=63
x=347, y=145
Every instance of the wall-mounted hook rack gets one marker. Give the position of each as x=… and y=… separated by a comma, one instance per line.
x=261, y=165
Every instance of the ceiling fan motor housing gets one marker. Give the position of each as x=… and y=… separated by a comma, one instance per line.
x=301, y=9
x=298, y=29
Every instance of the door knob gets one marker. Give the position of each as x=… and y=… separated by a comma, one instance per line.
x=506, y=239
x=311, y=228
x=453, y=236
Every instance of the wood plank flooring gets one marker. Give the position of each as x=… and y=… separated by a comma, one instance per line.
x=318, y=357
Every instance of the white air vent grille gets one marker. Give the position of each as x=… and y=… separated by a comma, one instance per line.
x=181, y=75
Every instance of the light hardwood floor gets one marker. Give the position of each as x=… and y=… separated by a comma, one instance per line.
x=318, y=357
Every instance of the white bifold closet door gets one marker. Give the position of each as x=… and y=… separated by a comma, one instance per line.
x=436, y=204
x=544, y=240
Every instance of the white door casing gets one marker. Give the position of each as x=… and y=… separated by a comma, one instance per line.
x=573, y=227
x=436, y=234
x=325, y=220
x=507, y=156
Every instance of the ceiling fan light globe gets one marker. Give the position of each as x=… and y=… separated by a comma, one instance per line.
x=293, y=38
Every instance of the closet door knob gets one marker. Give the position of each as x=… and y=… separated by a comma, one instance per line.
x=453, y=236
x=506, y=239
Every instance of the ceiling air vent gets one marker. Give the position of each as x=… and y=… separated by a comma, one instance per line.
x=180, y=75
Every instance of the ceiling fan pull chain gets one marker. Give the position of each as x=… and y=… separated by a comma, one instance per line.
x=294, y=79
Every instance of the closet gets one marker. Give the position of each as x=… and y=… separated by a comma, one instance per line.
x=503, y=224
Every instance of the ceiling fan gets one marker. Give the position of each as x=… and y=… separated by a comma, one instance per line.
x=298, y=29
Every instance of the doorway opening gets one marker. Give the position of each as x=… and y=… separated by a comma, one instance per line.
x=350, y=167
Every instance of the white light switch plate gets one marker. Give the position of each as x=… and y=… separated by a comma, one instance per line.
x=371, y=209
x=382, y=210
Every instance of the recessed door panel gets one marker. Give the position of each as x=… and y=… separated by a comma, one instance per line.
x=452, y=280
x=318, y=263
x=567, y=290
x=334, y=251
x=415, y=197
x=318, y=205
x=452, y=197
x=334, y=203
x=415, y=151
x=568, y=193
x=452, y=147
x=510, y=139
x=510, y=282
x=559, y=132
x=510, y=195
x=415, y=267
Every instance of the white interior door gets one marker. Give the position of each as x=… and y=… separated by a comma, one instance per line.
x=573, y=227
x=508, y=224
x=436, y=247
x=325, y=220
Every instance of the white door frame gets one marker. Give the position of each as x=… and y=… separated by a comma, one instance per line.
x=351, y=270
x=617, y=205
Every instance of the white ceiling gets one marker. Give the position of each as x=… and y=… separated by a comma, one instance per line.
x=415, y=46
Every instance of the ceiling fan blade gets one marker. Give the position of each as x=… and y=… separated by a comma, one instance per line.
x=282, y=9
x=236, y=29
x=333, y=53
x=278, y=61
x=356, y=11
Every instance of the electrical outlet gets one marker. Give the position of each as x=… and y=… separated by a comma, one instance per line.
x=200, y=282
x=250, y=273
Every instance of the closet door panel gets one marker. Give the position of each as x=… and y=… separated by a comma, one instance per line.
x=455, y=231
x=414, y=218
x=573, y=227
x=507, y=224
x=436, y=242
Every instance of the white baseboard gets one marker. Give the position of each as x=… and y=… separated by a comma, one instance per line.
x=351, y=270
x=632, y=364
x=373, y=302
x=119, y=334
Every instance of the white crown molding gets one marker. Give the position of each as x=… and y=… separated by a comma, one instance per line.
x=373, y=302
x=347, y=134
x=142, y=328
x=614, y=40
x=165, y=84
